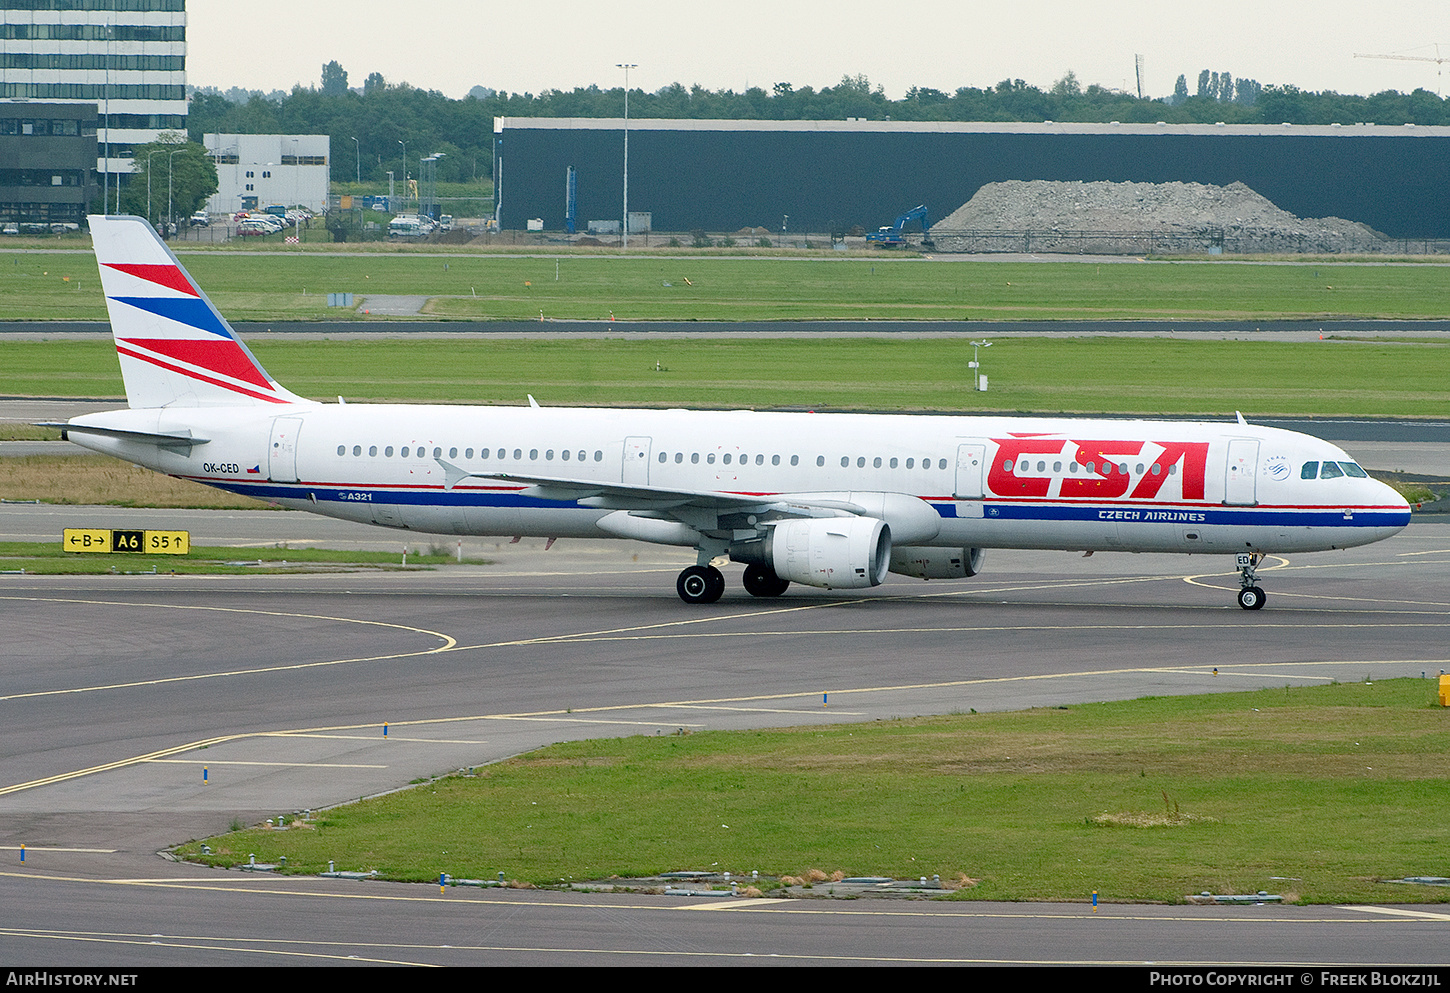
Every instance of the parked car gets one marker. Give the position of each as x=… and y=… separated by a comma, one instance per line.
x=11, y=228
x=254, y=228
x=201, y=219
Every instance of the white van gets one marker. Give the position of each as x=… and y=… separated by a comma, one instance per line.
x=407, y=226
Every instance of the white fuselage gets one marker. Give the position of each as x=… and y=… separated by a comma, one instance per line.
x=993, y=482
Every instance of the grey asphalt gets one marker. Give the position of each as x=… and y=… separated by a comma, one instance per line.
x=1299, y=329
x=117, y=690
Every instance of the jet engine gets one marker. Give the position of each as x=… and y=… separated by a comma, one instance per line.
x=838, y=553
x=936, y=563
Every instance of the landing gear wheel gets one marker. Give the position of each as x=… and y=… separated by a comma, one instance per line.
x=1252, y=598
x=700, y=584
x=761, y=580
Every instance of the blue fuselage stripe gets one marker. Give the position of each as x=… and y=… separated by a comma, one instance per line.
x=1202, y=516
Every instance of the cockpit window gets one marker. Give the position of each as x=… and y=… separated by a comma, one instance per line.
x=1310, y=471
x=1330, y=470
x=1353, y=469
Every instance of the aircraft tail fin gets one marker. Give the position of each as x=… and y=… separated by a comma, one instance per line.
x=176, y=349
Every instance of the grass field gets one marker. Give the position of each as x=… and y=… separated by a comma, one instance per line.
x=1110, y=375
x=293, y=286
x=37, y=558
x=94, y=480
x=1318, y=794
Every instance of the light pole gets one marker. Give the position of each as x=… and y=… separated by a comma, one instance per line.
x=149, y=219
x=626, y=66
x=405, y=171
x=358, y=148
x=978, y=380
x=170, y=203
x=296, y=175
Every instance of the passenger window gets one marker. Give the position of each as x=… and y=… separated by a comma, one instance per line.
x=941, y=463
x=404, y=452
x=876, y=462
x=468, y=453
x=1330, y=470
x=694, y=458
x=453, y=453
x=1310, y=471
x=1057, y=467
x=893, y=463
x=820, y=460
x=598, y=456
x=1173, y=469
x=775, y=460
x=549, y=455
x=1138, y=468
x=1021, y=468
x=438, y=453
x=581, y=456
x=710, y=458
x=911, y=464
x=356, y=450
x=726, y=458
x=1353, y=469
x=342, y=449
x=760, y=459
x=1042, y=467
x=664, y=457
x=860, y=462
x=564, y=455
x=845, y=461
x=679, y=457
x=518, y=454
x=388, y=451
x=372, y=451
x=795, y=460
x=1157, y=469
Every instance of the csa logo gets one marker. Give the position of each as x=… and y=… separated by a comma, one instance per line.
x=1277, y=467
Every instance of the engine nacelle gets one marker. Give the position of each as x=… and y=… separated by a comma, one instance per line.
x=936, y=563
x=838, y=553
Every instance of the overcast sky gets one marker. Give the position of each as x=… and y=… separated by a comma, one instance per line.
x=453, y=45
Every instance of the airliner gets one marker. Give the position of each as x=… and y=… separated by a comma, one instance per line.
x=835, y=501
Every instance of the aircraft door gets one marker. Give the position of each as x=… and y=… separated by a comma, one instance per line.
x=1240, y=479
x=636, y=461
x=971, y=457
x=282, y=453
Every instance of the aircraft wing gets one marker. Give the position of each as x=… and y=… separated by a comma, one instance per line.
x=610, y=495
x=715, y=512
x=705, y=510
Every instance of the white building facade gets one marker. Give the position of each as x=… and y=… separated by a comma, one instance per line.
x=267, y=169
x=128, y=57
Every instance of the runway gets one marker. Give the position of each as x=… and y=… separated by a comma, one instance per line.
x=118, y=690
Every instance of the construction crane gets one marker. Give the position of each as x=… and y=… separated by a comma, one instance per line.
x=1437, y=59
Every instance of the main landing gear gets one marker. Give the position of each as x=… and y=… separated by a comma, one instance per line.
x=1251, y=595
x=700, y=584
x=761, y=580
x=705, y=583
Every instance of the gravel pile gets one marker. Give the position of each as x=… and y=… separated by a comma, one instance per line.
x=1044, y=216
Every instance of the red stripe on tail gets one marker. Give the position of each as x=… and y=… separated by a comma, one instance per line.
x=163, y=275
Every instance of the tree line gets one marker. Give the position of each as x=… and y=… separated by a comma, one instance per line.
x=387, y=118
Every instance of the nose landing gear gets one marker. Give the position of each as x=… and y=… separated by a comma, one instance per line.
x=1251, y=595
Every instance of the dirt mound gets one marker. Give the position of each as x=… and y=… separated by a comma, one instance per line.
x=1134, y=217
